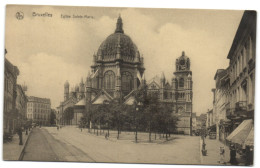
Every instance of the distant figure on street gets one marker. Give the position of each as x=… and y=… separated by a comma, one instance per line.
x=233, y=154
x=57, y=127
x=26, y=130
x=249, y=155
x=106, y=135
x=20, y=134
x=222, y=155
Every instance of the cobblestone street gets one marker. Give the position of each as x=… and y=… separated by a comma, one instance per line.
x=180, y=150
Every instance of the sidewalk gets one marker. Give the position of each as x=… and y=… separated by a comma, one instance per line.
x=12, y=150
x=213, y=150
x=213, y=153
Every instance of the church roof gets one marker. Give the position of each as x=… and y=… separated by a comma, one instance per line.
x=155, y=79
x=82, y=102
x=101, y=97
x=118, y=43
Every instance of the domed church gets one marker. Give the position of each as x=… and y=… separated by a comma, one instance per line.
x=117, y=67
x=118, y=70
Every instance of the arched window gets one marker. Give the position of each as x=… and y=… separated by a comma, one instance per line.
x=181, y=82
x=109, y=80
x=180, y=110
x=127, y=82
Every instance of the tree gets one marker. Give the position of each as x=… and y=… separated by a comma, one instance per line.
x=83, y=121
x=107, y=114
x=151, y=109
x=119, y=113
x=166, y=120
x=52, y=117
x=154, y=115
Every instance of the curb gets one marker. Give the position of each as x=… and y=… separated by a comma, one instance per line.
x=23, y=150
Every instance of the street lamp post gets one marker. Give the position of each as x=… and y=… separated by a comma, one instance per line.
x=136, y=124
x=137, y=108
x=107, y=117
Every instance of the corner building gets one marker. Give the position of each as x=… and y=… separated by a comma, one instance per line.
x=38, y=110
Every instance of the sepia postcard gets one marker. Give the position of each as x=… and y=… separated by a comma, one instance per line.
x=129, y=85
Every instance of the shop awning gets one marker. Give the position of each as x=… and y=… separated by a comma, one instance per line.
x=240, y=134
x=250, y=138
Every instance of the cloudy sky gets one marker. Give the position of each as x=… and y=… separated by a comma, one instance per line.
x=50, y=50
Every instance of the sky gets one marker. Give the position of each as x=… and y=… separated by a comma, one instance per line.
x=50, y=50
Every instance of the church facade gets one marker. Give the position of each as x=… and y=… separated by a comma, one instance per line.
x=118, y=70
x=178, y=93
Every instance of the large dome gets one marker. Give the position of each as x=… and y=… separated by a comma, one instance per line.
x=118, y=46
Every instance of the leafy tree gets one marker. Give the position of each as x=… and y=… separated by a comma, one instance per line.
x=119, y=114
x=83, y=121
x=154, y=115
x=107, y=114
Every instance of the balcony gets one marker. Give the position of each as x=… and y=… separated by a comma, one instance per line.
x=239, y=110
x=241, y=105
x=230, y=112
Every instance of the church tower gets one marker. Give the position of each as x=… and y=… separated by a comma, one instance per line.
x=81, y=89
x=182, y=86
x=66, y=90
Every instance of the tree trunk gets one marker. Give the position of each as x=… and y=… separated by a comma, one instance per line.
x=118, y=133
x=94, y=128
x=166, y=136
x=155, y=135
x=150, y=133
x=136, y=134
x=108, y=130
x=97, y=131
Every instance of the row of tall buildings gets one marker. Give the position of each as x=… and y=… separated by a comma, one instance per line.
x=118, y=71
x=18, y=107
x=234, y=93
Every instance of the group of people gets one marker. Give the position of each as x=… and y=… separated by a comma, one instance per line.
x=233, y=160
x=233, y=155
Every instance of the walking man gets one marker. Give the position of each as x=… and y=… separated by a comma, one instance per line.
x=233, y=159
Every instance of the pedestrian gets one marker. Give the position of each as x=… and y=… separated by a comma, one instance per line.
x=249, y=155
x=20, y=134
x=106, y=135
x=233, y=153
x=222, y=155
x=26, y=130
